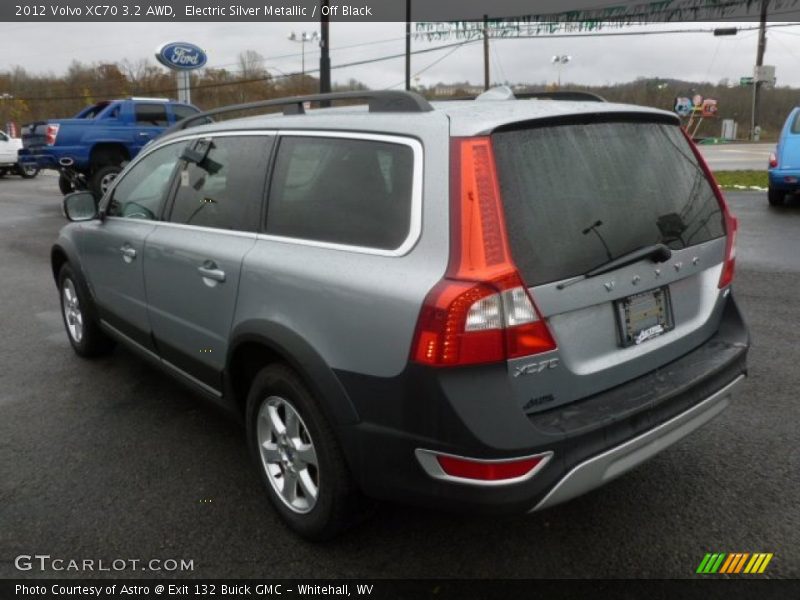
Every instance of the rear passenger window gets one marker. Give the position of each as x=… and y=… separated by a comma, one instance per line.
x=344, y=191
x=151, y=115
x=225, y=188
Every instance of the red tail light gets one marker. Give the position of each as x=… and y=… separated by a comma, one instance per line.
x=731, y=223
x=773, y=160
x=481, y=311
x=50, y=134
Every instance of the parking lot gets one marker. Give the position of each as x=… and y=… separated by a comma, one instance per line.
x=111, y=459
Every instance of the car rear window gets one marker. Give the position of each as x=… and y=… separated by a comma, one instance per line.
x=345, y=191
x=796, y=124
x=579, y=195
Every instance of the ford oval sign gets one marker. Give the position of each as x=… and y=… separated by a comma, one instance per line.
x=181, y=56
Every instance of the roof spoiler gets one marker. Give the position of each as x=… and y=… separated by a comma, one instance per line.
x=573, y=95
x=381, y=101
x=503, y=92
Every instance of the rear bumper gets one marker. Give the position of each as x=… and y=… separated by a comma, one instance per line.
x=784, y=179
x=612, y=463
x=467, y=413
x=44, y=160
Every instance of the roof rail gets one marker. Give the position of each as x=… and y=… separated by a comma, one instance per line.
x=379, y=101
x=573, y=95
x=147, y=99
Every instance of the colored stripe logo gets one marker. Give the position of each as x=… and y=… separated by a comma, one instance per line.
x=734, y=563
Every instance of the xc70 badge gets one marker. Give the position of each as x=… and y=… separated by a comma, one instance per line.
x=535, y=368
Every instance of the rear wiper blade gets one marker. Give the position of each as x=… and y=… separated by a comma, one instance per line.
x=655, y=252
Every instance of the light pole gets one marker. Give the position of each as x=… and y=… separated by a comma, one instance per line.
x=302, y=39
x=559, y=61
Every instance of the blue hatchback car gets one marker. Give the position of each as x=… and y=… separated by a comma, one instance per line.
x=784, y=163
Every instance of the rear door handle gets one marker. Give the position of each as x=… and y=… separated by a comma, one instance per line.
x=209, y=270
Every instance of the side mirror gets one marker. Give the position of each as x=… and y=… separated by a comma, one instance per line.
x=80, y=206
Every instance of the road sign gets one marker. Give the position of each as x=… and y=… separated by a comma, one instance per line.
x=745, y=81
x=764, y=73
x=709, y=108
x=683, y=106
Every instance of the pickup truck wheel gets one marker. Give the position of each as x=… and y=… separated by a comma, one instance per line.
x=102, y=178
x=65, y=185
x=80, y=320
x=298, y=456
x=28, y=171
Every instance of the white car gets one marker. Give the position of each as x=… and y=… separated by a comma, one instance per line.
x=9, y=147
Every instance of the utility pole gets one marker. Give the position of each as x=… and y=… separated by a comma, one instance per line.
x=485, y=52
x=324, y=57
x=762, y=48
x=408, y=45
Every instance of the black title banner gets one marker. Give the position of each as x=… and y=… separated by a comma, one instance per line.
x=377, y=589
x=538, y=11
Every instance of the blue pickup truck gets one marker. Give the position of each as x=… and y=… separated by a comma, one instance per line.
x=90, y=149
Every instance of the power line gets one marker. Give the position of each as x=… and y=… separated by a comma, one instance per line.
x=430, y=65
x=313, y=51
x=261, y=79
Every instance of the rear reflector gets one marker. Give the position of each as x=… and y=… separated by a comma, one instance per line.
x=481, y=312
x=731, y=223
x=465, y=468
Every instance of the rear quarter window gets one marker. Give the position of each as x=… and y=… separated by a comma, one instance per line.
x=345, y=191
x=579, y=195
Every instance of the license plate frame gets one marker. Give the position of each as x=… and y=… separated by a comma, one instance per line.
x=644, y=316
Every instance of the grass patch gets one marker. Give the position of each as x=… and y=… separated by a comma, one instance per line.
x=737, y=180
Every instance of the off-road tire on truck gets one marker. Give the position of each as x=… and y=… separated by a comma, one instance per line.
x=65, y=185
x=27, y=172
x=102, y=178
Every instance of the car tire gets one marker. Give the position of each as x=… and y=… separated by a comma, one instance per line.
x=79, y=316
x=27, y=172
x=65, y=185
x=306, y=456
x=102, y=178
x=3, y=173
x=775, y=197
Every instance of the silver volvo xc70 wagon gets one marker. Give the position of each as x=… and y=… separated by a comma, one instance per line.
x=493, y=304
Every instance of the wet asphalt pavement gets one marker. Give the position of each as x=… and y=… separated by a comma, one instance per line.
x=110, y=459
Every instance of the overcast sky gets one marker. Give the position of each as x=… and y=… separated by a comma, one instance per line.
x=50, y=47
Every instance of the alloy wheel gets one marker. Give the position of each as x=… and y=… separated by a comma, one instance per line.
x=73, y=316
x=288, y=454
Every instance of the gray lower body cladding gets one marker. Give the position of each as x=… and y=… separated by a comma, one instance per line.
x=468, y=412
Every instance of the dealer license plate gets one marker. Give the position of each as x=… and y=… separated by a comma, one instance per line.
x=644, y=316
